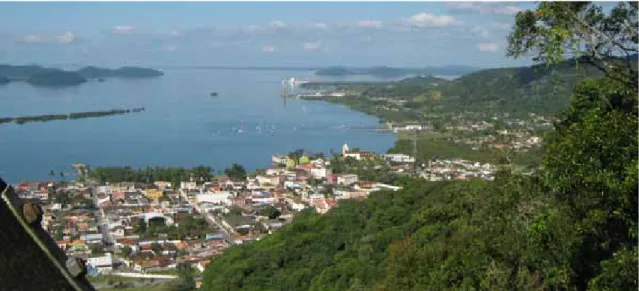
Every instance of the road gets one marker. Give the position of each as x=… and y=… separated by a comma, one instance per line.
x=103, y=222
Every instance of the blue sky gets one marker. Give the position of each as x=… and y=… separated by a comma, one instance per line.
x=410, y=34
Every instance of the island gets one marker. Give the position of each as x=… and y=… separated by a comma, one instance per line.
x=50, y=77
x=92, y=72
x=74, y=115
x=56, y=78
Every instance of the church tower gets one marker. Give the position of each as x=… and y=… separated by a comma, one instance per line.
x=344, y=149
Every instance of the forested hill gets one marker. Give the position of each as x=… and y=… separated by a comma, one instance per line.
x=539, y=88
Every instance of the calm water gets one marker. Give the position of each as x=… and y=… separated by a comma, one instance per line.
x=182, y=124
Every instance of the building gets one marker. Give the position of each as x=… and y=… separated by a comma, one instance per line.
x=279, y=159
x=221, y=197
x=102, y=264
x=346, y=179
x=188, y=185
x=320, y=173
x=268, y=180
x=399, y=158
x=162, y=185
x=153, y=193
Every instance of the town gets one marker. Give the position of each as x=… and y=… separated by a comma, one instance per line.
x=132, y=227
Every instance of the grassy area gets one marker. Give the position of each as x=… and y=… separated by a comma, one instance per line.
x=440, y=147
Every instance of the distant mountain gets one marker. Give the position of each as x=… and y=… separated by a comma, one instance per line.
x=333, y=71
x=124, y=72
x=389, y=72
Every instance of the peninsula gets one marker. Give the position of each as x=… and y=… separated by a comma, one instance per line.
x=389, y=72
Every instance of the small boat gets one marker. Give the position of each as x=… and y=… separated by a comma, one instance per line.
x=213, y=94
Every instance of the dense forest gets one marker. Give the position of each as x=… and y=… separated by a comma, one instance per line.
x=569, y=225
x=174, y=175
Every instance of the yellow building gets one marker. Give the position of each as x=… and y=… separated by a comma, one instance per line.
x=154, y=193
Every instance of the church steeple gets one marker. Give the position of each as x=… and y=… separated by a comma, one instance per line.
x=345, y=148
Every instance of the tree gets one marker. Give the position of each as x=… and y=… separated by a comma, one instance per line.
x=583, y=30
x=157, y=248
x=270, y=211
x=126, y=251
x=296, y=154
x=141, y=227
x=236, y=172
x=590, y=160
x=185, y=275
x=235, y=210
x=51, y=173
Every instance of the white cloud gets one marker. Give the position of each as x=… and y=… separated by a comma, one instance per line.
x=65, y=38
x=425, y=19
x=483, y=8
x=488, y=47
x=312, y=46
x=123, y=29
x=369, y=24
x=480, y=31
x=269, y=48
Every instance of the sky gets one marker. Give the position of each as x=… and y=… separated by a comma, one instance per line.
x=406, y=34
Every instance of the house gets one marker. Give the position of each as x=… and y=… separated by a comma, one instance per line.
x=399, y=158
x=162, y=185
x=41, y=194
x=153, y=193
x=346, y=179
x=214, y=197
x=268, y=180
x=201, y=265
x=236, y=222
x=279, y=159
x=102, y=263
x=320, y=172
x=188, y=185
x=93, y=238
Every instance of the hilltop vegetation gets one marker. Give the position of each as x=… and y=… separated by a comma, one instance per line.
x=569, y=225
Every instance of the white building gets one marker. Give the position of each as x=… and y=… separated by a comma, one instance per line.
x=320, y=173
x=347, y=179
x=221, y=197
x=399, y=158
x=188, y=185
x=102, y=264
